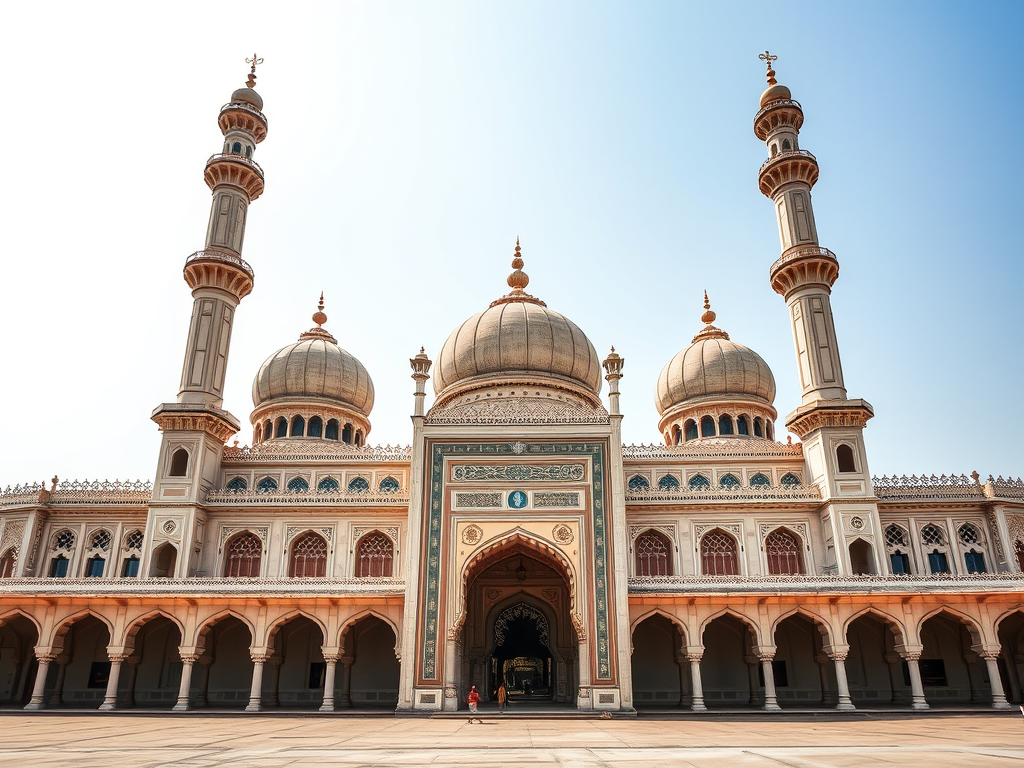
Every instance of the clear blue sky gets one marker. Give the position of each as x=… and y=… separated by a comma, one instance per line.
x=411, y=142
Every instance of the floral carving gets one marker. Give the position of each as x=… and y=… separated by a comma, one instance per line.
x=472, y=534
x=562, y=534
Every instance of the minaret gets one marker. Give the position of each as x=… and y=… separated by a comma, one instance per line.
x=196, y=427
x=829, y=423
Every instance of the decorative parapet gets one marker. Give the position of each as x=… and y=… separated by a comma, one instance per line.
x=979, y=582
x=80, y=492
x=21, y=494
x=713, y=448
x=206, y=586
x=914, y=487
x=736, y=493
x=309, y=498
x=1008, y=488
x=274, y=451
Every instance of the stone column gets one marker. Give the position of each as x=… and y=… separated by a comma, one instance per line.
x=345, y=697
x=57, y=697
x=916, y=688
x=110, y=697
x=187, y=660
x=752, y=681
x=39, y=689
x=828, y=697
x=256, y=691
x=685, y=699
x=771, y=701
x=203, y=697
x=133, y=676
x=972, y=678
x=839, y=658
x=896, y=677
x=998, y=694
x=694, y=657
x=332, y=664
x=274, y=699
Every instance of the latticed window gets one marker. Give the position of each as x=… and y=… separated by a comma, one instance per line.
x=651, y=551
x=789, y=480
x=298, y=485
x=968, y=534
x=718, y=554
x=784, y=553
x=729, y=481
x=388, y=485
x=245, y=552
x=101, y=540
x=932, y=536
x=133, y=540
x=64, y=540
x=638, y=483
x=760, y=481
x=328, y=485
x=8, y=561
x=375, y=556
x=237, y=484
x=266, y=485
x=699, y=481
x=668, y=483
x=896, y=537
x=358, y=485
x=309, y=557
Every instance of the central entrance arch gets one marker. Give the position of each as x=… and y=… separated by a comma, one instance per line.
x=522, y=657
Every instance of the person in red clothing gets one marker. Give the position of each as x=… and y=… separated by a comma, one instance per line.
x=473, y=699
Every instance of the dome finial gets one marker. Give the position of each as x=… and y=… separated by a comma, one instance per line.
x=518, y=280
x=319, y=332
x=709, y=331
x=251, y=82
x=708, y=316
x=767, y=58
x=319, y=317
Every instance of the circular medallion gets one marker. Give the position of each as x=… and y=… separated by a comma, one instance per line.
x=472, y=534
x=169, y=526
x=517, y=500
x=856, y=523
x=562, y=534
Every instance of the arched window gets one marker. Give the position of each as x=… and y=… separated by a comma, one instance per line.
x=133, y=540
x=59, y=567
x=388, y=485
x=932, y=535
x=94, y=567
x=668, y=483
x=729, y=481
x=758, y=427
x=718, y=554
x=760, y=481
x=309, y=557
x=358, y=485
x=64, y=539
x=179, y=463
x=725, y=424
x=651, y=555
x=844, y=458
x=784, y=551
x=236, y=148
x=775, y=149
x=975, y=561
x=130, y=567
x=266, y=485
x=375, y=556
x=677, y=435
x=8, y=562
x=298, y=485
x=282, y=427
x=358, y=439
x=244, y=553
x=100, y=540
x=346, y=434
x=237, y=485
x=315, y=428
x=298, y=426
x=707, y=426
x=638, y=483
x=974, y=558
x=786, y=145
x=862, y=559
x=248, y=151
x=897, y=542
x=968, y=534
x=328, y=485
x=769, y=430
x=268, y=430
x=164, y=562
x=331, y=433
x=699, y=481
x=257, y=434
x=691, y=430
x=789, y=480
x=742, y=426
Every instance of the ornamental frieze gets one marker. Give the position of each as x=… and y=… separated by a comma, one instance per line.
x=520, y=472
x=478, y=500
x=548, y=499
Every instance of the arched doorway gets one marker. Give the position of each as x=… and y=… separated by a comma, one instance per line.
x=518, y=628
x=660, y=670
x=18, y=638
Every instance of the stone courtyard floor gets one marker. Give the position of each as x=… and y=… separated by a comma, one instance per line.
x=91, y=740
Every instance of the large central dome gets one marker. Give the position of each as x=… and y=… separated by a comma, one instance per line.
x=518, y=340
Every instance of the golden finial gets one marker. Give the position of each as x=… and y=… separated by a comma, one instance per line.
x=708, y=316
x=251, y=82
x=319, y=317
x=767, y=58
x=518, y=280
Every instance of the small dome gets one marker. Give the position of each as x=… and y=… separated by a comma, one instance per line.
x=314, y=367
x=518, y=339
x=713, y=366
x=248, y=96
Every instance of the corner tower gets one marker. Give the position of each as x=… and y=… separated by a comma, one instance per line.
x=196, y=427
x=830, y=424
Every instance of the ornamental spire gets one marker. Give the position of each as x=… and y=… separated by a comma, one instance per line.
x=709, y=331
x=319, y=332
x=517, y=281
x=251, y=82
x=767, y=58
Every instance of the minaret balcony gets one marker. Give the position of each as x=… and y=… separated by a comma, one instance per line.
x=239, y=116
x=789, y=166
x=237, y=171
x=804, y=265
x=219, y=269
x=777, y=114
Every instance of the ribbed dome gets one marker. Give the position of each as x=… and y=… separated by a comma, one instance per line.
x=518, y=338
x=314, y=367
x=713, y=365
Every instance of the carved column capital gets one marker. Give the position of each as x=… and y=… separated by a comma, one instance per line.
x=693, y=656
x=910, y=655
x=189, y=658
x=45, y=657
x=839, y=654
x=259, y=658
x=117, y=658
x=331, y=658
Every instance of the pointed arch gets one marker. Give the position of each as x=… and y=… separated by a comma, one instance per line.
x=62, y=628
x=355, y=618
x=897, y=627
x=15, y=613
x=204, y=627
x=274, y=627
x=675, y=620
x=1019, y=609
x=819, y=622
x=136, y=625
x=751, y=625
x=973, y=624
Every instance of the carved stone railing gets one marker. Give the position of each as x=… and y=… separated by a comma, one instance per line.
x=222, y=256
x=315, y=450
x=714, y=448
x=246, y=108
x=21, y=494
x=1008, y=488
x=775, y=105
x=309, y=498
x=233, y=158
x=931, y=487
x=802, y=252
x=786, y=154
x=120, y=492
x=737, y=493
x=200, y=586
x=979, y=582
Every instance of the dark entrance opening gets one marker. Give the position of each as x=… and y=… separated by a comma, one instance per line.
x=522, y=659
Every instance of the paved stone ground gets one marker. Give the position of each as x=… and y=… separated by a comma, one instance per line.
x=92, y=740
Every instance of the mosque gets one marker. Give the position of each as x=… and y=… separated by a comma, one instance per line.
x=516, y=541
